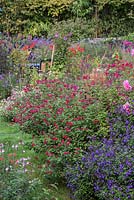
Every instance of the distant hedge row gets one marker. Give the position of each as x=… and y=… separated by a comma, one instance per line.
x=38, y=17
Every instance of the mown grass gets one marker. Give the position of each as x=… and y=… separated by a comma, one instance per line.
x=10, y=134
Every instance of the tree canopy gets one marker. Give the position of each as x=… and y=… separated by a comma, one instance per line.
x=34, y=16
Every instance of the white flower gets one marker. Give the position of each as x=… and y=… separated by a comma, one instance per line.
x=2, y=150
x=7, y=169
x=16, y=146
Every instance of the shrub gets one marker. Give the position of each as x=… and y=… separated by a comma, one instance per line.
x=79, y=28
x=61, y=116
x=64, y=116
x=106, y=170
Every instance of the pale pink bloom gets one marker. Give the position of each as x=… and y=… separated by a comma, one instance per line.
x=126, y=85
x=56, y=35
x=126, y=107
x=132, y=52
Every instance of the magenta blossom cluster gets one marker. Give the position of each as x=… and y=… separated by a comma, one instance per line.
x=127, y=85
x=127, y=106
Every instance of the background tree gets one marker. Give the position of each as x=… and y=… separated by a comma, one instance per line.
x=29, y=14
x=104, y=17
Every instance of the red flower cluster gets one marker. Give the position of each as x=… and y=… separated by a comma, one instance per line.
x=28, y=47
x=76, y=49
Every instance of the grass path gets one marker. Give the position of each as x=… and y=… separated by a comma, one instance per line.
x=10, y=134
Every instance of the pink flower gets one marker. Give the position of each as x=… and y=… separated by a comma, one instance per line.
x=56, y=35
x=68, y=143
x=127, y=86
x=59, y=111
x=66, y=152
x=33, y=111
x=132, y=52
x=69, y=123
x=54, y=138
x=126, y=107
x=75, y=87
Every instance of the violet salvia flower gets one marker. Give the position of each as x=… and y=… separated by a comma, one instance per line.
x=127, y=85
x=107, y=167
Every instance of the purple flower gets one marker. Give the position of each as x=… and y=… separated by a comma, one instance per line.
x=65, y=38
x=1, y=77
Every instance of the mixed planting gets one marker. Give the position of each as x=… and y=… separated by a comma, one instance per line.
x=78, y=113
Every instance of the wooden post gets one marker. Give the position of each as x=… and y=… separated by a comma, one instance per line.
x=52, y=56
x=43, y=67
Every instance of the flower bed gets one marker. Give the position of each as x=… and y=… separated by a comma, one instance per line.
x=82, y=124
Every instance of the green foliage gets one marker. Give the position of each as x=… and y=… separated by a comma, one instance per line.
x=56, y=7
x=80, y=28
x=18, y=16
x=129, y=37
x=39, y=28
x=105, y=18
x=81, y=8
x=18, y=186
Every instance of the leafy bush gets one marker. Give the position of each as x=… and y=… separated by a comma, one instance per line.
x=59, y=114
x=106, y=170
x=79, y=28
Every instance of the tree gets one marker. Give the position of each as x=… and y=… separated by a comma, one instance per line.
x=18, y=15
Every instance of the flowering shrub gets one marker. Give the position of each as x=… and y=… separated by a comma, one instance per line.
x=15, y=71
x=60, y=115
x=64, y=117
x=68, y=117
x=106, y=170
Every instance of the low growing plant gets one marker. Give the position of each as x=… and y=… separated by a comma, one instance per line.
x=106, y=170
